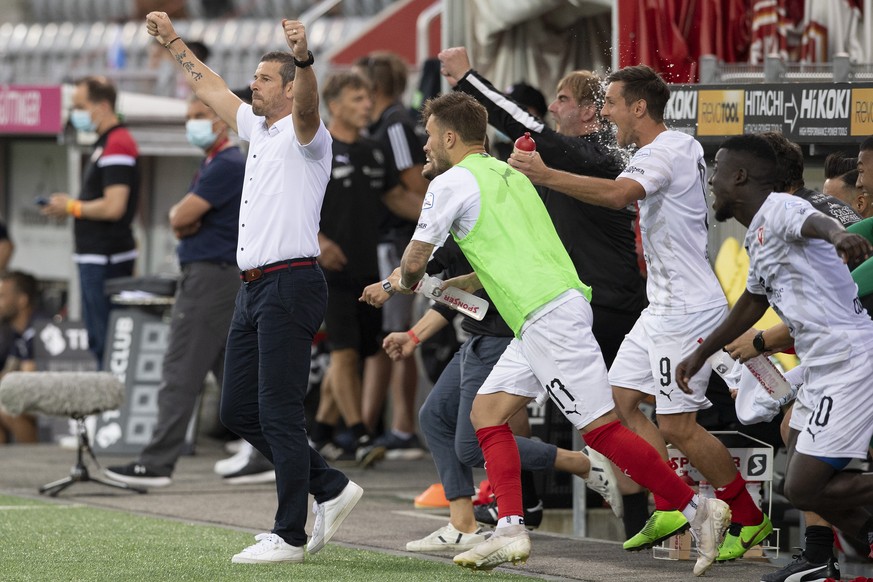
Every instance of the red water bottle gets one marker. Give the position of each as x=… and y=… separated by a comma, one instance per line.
x=525, y=143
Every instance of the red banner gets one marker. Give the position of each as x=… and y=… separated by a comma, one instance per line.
x=670, y=35
x=30, y=109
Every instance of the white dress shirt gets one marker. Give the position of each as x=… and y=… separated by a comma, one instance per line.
x=284, y=186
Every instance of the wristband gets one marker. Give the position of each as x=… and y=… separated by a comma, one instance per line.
x=401, y=286
x=167, y=44
x=413, y=337
x=74, y=207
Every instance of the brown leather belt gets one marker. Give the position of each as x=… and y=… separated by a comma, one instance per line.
x=258, y=272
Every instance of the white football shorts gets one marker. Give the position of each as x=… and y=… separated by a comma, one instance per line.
x=663, y=341
x=557, y=352
x=839, y=421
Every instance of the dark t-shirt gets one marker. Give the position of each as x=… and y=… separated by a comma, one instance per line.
x=115, y=160
x=403, y=147
x=829, y=205
x=22, y=344
x=600, y=241
x=352, y=208
x=219, y=181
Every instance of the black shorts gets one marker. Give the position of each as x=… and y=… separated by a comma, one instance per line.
x=351, y=323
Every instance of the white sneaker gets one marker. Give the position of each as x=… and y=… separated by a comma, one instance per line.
x=234, y=463
x=601, y=479
x=258, y=469
x=233, y=447
x=330, y=452
x=712, y=518
x=269, y=549
x=330, y=515
x=446, y=538
x=506, y=544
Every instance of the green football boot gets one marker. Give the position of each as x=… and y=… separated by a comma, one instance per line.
x=660, y=526
x=739, y=539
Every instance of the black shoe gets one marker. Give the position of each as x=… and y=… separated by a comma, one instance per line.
x=802, y=570
x=257, y=470
x=137, y=474
x=368, y=453
x=332, y=452
x=487, y=515
x=396, y=448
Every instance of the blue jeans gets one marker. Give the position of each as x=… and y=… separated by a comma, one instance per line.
x=266, y=372
x=96, y=303
x=445, y=419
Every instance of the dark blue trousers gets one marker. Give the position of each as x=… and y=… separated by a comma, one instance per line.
x=96, y=304
x=266, y=372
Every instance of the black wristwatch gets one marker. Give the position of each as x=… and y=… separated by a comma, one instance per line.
x=303, y=64
x=758, y=342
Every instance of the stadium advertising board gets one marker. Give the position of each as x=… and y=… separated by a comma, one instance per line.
x=803, y=112
x=30, y=109
x=135, y=347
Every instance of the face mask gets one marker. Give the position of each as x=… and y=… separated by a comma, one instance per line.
x=199, y=133
x=81, y=120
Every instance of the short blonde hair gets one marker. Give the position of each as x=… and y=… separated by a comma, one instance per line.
x=584, y=86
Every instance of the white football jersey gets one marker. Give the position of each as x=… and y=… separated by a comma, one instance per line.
x=806, y=282
x=451, y=205
x=673, y=225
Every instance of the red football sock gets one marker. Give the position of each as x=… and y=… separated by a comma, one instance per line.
x=503, y=467
x=743, y=509
x=641, y=462
x=662, y=504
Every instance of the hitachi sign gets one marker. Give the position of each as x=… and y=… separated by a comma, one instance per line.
x=763, y=103
x=682, y=105
x=825, y=103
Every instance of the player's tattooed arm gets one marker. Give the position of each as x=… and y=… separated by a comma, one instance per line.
x=413, y=264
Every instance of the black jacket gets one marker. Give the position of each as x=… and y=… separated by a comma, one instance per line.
x=600, y=241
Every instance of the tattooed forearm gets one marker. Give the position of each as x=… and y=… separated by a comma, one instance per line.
x=414, y=262
x=189, y=66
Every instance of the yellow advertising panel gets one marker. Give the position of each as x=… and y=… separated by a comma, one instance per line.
x=862, y=112
x=720, y=112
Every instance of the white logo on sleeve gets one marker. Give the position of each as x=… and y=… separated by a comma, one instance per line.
x=799, y=206
x=428, y=201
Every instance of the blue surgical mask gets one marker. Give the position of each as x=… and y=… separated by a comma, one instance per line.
x=81, y=120
x=199, y=133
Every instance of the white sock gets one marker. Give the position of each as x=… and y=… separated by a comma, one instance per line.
x=689, y=510
x=509, y=520
x=403, y=435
